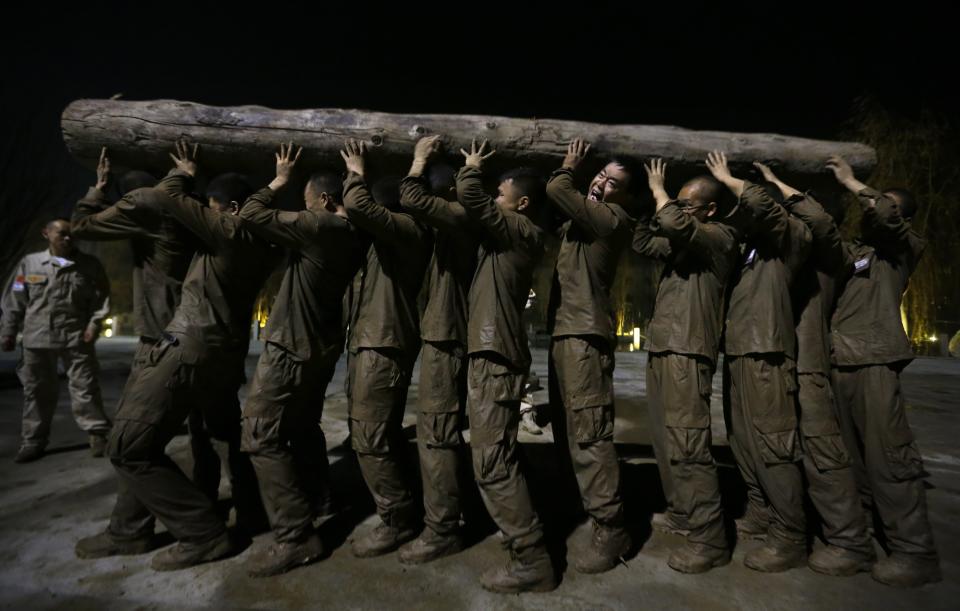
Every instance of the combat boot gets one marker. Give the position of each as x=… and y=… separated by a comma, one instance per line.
x=184, y=555
x=907, y=570
x=28, y=454
x=776, y=556
x=528, y=424
x=840, y=561
x=430, y=546
x=280, y=557
x=608, y=545
x=697, y=558
x=103, y=545
x=528, y=570
x=382, y=540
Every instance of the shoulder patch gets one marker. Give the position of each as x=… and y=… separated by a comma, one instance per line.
x=34, y=278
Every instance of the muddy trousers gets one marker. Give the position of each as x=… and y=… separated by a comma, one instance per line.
x=678, y=397
x=885, y=457
x=281, y=431
x=37, y=371
x=379, y=378
x=132, y=520
x=760, y=409
x=172, y=381
x=494, y=389
x=826, y=463
x=442, y=392
x=581, y=378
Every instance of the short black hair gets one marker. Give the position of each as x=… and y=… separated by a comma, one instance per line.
x=386, y=191
x=631, y=167
x=908, y=203
x=714, y=191
x=54, y=220
x=327, y=181
x=529, y=182
x=135, y=179
x=442, y=177
x=230, y=187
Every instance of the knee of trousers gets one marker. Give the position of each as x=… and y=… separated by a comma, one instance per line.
x=492, y=463
x=371, y=438
x=438, y=431
x=133, y=445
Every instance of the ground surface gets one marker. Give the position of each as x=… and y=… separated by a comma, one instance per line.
x=47, y=505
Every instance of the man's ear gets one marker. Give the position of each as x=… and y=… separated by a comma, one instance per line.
x=45, y=233
x=522, y=203
x=711, y=209
x=234, y=207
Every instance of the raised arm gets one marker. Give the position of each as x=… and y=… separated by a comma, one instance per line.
x=94, y=219
x=595, y=218
x=192, y=214
x=416, y=198
x=394, y=227
x=481, y=208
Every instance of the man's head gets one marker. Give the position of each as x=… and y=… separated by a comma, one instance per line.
x=386, y=192
x=703, y=197
x=616, y=182
x=443, y=180
x=324, y=191
x=905, y=200
x=57, y=234
x=228, y=192
x=135, y=179
x=521, y=190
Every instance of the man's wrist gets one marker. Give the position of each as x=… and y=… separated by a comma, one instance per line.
x=417, y=167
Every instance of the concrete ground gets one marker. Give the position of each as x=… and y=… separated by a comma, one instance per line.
x=47, y=505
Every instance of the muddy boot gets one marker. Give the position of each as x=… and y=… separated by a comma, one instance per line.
x=607, y=547
x=668, y=523
x=776, y=556
x=283, y=556
x=430, y=546
x=28, y=454
x=104, y=545
x=697, y=558
x=907, y=570
x=528, y=424
x=382, y=540
x=184, y=555
x=528, y=570
x=98, y=445
x=840, y=561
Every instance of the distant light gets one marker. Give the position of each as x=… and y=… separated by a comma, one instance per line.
x=636, y=336
x=109, y=321
x=108, y=333
x=932, y=338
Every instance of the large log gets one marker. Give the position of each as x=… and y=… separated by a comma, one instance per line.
x=141, y=134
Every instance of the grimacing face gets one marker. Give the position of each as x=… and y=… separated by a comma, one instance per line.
x=610, y=184
x=696, y=202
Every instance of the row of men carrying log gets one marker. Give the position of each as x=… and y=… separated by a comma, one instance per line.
x=809, y=326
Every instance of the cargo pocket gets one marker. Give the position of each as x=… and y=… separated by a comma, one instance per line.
x=437, y=431
x=689, y=445
x=590, y=378
x=490, y=463
x=819, y=428
x=903, y=456
x=592, y=424
x=503, y=383
x=378, y=382
x=775, y=412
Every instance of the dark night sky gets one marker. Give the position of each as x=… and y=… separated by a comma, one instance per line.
x=766, y=68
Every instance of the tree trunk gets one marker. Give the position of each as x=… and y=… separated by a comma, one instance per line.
x=244, y=138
